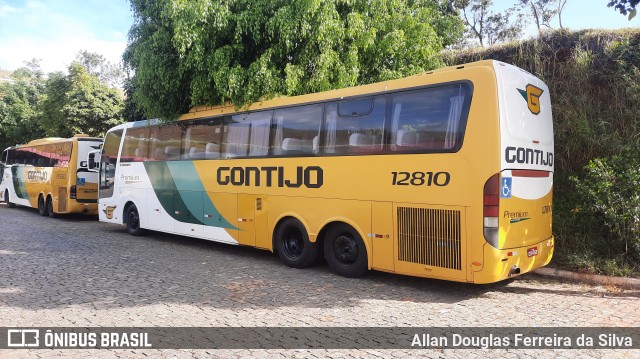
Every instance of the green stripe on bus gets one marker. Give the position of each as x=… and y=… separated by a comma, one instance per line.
x=179, y=188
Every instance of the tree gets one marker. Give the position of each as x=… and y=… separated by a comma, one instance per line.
x=542, y=11
x=97, y=65
x=18, y=105
x=187, y=53
x=489, y=27
x=625, y=7
x=82, y=101
x=52, y=119
x=561, y=4
x=90, y=106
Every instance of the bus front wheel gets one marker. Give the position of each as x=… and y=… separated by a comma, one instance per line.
x=132, y=220
x=42, y=208
x=293, y=245
x=345, y=251
x=8, y=200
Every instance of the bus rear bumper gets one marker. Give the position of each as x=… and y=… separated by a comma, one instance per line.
x=501, y=264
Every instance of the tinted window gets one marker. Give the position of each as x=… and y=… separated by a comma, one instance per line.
x=429, y=120
x=108, y=162
x=11, y=154
x=202, y=140
x=297, y=130
x=136, y=144
x=359, y=132
x=247, y=134
x=63, y=154
x=165, y=142
x=49, y=154
x=355, y=108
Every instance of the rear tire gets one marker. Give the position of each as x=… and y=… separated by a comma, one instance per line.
x=132, y=220
x=50, y=211
x=42, y=208
x=6, y=199
x=293, y=245
x=345, y=251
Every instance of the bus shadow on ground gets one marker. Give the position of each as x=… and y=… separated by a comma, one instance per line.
x=100, y=265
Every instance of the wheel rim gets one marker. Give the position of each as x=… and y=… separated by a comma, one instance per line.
x=133, y=220
x=293, y=243
x=345, y=249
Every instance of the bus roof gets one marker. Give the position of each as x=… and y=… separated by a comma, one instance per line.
x=206, y=111
x=48, y=140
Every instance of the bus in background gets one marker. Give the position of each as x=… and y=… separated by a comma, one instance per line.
x=447, y=175
x=52, y=175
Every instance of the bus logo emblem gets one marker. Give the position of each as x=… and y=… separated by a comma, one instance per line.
x=532, y=94
x=109, y=211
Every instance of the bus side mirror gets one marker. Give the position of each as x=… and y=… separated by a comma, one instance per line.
x=93, y=161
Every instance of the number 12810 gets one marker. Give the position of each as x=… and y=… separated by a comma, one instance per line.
x=439, y=179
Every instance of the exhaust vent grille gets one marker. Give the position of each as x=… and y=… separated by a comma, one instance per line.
x=429, y=236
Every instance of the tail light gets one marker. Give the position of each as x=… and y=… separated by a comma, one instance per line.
x=73, y=192
x=490, y=209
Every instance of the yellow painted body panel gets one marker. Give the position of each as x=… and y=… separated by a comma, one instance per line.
x=498, y=262
x=525, y=221
x=255, y=195
x=58, y=181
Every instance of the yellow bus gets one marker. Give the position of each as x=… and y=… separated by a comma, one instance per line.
x=52, y=175
x=447, y=175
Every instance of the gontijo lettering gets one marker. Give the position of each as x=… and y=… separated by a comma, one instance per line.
x=37, y=175
x=310, y=177
x=528, y=156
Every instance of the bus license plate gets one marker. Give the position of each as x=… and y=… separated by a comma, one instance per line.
x=532, y=252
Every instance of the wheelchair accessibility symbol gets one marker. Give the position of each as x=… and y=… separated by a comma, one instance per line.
x=505, y=188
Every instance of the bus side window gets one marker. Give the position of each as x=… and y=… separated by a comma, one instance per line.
x=165, y=143
x=108, y=162
x=247, y=134
x=355, y=126
x=428, y=120
x=136, y=145
x=202, y=140
x=297, y=130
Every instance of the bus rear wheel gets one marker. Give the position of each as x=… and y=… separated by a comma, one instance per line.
x=42, y=208
x=132, y=220
x=50, y=211
x=293, y=245
x=345, y=251
x=8, y=200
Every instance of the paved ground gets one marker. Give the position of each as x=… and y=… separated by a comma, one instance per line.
x=79, y=272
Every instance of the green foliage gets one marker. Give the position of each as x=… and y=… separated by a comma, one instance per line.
x=625, y=7
x=188, y=53
x=32, y=106
x=18, y=105
x=610, y=190
x=52, y=119
x=96, y=64
x=90, y=106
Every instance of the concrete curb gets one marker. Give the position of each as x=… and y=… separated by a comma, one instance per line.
x=590, y=278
